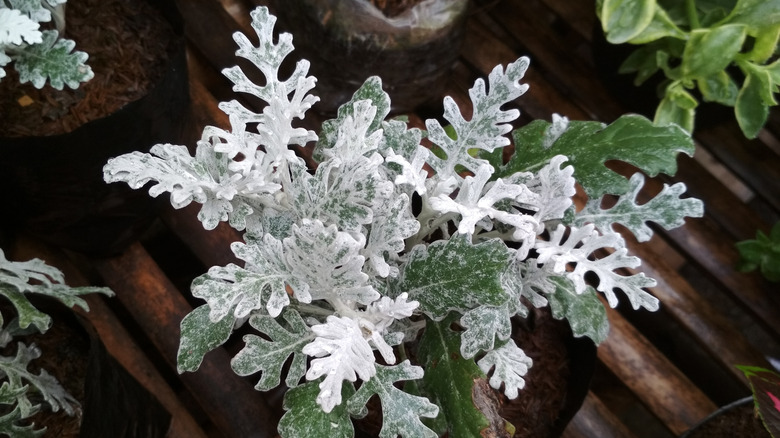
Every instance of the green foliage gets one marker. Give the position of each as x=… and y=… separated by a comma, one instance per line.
x=304, y=417
x=448, y=275
x=762, y=253
x=589, y=145
x=17, y=279
x=449, y=379
x=699, y=45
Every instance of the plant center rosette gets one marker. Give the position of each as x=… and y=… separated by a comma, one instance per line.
x=395, y=270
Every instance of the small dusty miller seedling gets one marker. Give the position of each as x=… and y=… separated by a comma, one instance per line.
x=18, y=383
x=391, y=263
x=39, y=55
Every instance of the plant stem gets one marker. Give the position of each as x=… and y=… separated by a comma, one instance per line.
x=693, y=17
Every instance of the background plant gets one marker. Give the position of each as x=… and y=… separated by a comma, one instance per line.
x=762, y=253
x=389, y=253
x=17, y=280
x=724, y=49
x=39, y=55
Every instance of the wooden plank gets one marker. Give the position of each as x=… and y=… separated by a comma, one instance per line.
x=230, y=401
x=594, y=419
x=664, y=389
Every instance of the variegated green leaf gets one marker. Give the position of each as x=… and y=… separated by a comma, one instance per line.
x=401, y=411
x=666, y=209
x=267, y=356
x=455, y=275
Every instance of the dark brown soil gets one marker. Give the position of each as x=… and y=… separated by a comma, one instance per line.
x=738, y=422
x=541, y=401
x=127, y=43
x=391, y=8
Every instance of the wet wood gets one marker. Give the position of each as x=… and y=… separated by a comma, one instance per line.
x=595, y=419
x=666, y=391
x=229, y=401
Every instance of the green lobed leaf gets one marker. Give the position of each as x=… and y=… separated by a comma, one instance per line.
x=199, y=335
x=482, y=325
x=305, y=418
x=52, y=61
x=709, y=51
x=9, y=426
x=401, y=411
x=454, y=275
x=584, y=312
x=15, y=370
x=449, y=379
x=666, y=209
x=589, y=145
x=623, y=20
x=267, y=356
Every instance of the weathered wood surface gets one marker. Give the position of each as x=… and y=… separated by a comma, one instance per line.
x=658, y=374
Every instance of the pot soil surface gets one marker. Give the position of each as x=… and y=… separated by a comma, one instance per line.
x=734, y=421
x=125, y=67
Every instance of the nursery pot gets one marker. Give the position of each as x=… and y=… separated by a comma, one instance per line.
x=112, y=403
x=738, y=419
x=556, y=384
x=347, y=41
x=52, y=185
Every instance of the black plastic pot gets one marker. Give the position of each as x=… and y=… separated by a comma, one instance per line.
x=113, y=403
x=349, y=41
x=737, y=419
x=52, y=187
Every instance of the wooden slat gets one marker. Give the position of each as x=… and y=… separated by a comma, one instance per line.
x=118, y=342
x=664, y=389
x=230, y=402
x=595, y=419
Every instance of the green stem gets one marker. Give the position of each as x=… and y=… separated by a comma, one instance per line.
x=693, y=17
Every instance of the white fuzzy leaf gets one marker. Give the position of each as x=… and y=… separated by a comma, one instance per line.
x=509, y=365
x=488, y=123
x=52, y=60
x=269, y=356
x=17, y=28
x=342, y=193
x=575, y=252
x=341, y=353
x=329, y=262
x=482, y=325
x=401, y=411
x=392, y=225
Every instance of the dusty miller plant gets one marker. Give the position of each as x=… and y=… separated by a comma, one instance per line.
x=39, y=55
x=21, y=389
x=354, y=275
